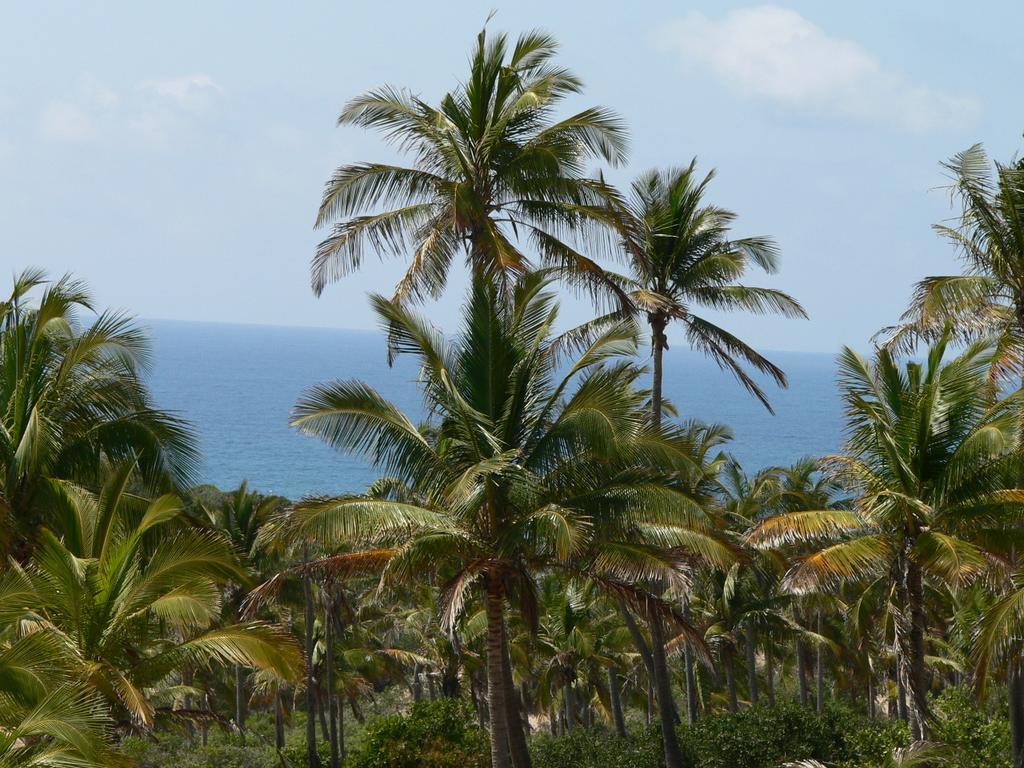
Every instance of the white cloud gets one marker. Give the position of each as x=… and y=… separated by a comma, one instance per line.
x=74, y=119
x=153, y=110
x=66, y=121
x=776, y=54
x=188, y=92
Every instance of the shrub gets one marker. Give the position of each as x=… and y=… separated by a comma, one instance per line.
x=435, y=734
x=761, y=737
x=975, y=738
x=598, y=749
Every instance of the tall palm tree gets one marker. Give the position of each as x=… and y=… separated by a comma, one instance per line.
x=72, y=399
x=988, y=300
x=989, y=238
x=682, y=260
x=929, y=452
x=527, y=465
x=493, y=169
x=132, y=598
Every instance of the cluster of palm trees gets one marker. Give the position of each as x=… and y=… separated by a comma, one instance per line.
x=553, y=543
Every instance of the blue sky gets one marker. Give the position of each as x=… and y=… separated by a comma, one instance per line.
x=173, y=154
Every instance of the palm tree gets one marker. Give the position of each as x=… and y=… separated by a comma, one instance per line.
x=240, y=515
x=989, y=238
x=527, y=465
x=929, y=449
x=986, y=301
x=492, y=169
x=682, y=258
x=132, y=599
x=72, y=399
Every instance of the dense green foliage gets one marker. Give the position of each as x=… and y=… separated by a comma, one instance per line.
x=554, y=555
x=438, y=734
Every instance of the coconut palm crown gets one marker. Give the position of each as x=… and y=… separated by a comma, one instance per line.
x=493, y=169
x=683, y=260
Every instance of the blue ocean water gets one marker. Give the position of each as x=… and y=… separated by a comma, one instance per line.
x=237, y=385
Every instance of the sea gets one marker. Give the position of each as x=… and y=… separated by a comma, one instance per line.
x=237, y=384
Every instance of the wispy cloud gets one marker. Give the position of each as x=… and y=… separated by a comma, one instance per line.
x=74, y=119
x=776, y=54
x=187, y=92
x=150, y=109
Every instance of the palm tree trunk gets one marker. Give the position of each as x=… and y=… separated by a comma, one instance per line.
x=649, y=718
x=819, y=673
x=638, y=639
x=751, y=663
x=417, y=687
x=321, y=711
x=769, y=676
x=516, y=730
x=801, y=672
x=187, y=677
x=689, y=673
x=910, y=633
x=278, y=720
x=662, y=681
x=901, y=697
x=312, y=757
x=570, y=705
x=615, y=696
x=730, y=679
x=871, y=693
x=240, y=700
x=496, y=696
x=663, y=693
x=332, y=702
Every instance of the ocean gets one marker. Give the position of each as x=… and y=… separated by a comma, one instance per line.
x=237, y=384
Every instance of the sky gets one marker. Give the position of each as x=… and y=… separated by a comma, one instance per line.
x=173, y=155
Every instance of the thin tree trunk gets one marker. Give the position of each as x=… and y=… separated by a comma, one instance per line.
x=205, y=728
x=321, y=712
x=332, y=702
x=417, y=687
x=279, y=720
x=730, y=680
x=240, y=700
x=871, y=693
x=910, y=590
x=516, y=730
x=769, y=676
x=638, y=639
x=650, y=701
x=663, y=692
x=570, y=705
x=901, y=697
x=496, y=697
x=662, y=681
x=187, y=677
x=801, y=672
x=689, y=673
x=819, y=673
x=615, y=696
x=312, y=757
x=751, y=663
x=340, y=704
